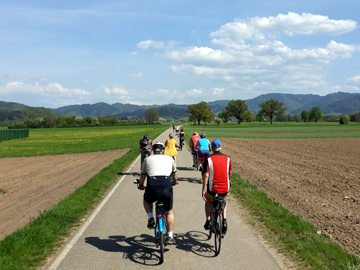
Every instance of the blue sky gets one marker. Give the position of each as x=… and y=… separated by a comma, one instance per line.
x=58, y=53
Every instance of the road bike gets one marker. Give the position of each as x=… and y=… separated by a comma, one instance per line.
x=196, y=161
x=217, y=221
x=160, y=226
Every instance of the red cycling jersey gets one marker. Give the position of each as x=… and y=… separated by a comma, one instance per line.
x=193, y=141
x=218, y=166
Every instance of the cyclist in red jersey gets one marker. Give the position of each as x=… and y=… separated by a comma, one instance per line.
x=216, y=180
x=193, y=141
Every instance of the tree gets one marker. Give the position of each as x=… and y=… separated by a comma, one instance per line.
x=271, y=108
x=259, y=117
x=305, y=116
x=151, y=116
x=316, y=114
x=237, y=108
x=200, y=112
x=248, y=116
x=225, y=116
x=297, y=117
x=344, y=119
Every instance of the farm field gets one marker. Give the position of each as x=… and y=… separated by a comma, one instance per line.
x=318, y=179
x=311, y=169
x=39, y=171
x=34, y=184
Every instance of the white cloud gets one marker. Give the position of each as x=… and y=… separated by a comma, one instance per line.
x=151, y=43
x=290, y=24
x=133, y=53
x=135, y=102
x=162, y=91
x=118, y=90
x=52, y=89
x=194, y=92
x=355, y=79
x=218, y=91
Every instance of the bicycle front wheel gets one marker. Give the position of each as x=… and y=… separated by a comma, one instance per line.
x=218, y=232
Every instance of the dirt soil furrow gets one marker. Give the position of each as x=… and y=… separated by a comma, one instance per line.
x=34, y=184
x=318, y=179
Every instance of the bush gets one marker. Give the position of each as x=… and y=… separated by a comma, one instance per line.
x=344, y=119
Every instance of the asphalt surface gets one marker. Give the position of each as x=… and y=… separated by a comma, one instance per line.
x=115, y=235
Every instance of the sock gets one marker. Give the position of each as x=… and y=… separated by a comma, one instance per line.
x=171, y=234
x=150, y=215
x=224, y=220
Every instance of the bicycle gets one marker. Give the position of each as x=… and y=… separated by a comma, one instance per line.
x=196, y=161
x=160, y=226
x=217, y=221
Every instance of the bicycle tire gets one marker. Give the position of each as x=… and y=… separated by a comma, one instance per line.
x=162, y=246
x=218, y=232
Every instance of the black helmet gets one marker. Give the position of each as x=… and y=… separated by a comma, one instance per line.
x=158, y=147
x=202, y=135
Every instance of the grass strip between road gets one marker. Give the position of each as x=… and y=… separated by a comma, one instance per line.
x=295, y=237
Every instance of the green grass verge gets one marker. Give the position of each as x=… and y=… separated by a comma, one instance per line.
x=296, y=236
x=28, y=247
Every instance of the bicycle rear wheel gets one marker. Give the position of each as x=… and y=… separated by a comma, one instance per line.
x=218, y=232
x=162, y=246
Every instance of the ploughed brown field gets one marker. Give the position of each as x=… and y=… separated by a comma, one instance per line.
x=34, y=184
x=318, y=179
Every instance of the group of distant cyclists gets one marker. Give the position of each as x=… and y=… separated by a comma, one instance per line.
x=160, y=172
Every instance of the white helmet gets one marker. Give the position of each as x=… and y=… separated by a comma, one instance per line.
x=158, y=147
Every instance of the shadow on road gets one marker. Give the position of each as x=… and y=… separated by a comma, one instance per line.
x=141, y=249
x=190, y=180
x=186, y=169
x=194, y=241
x=138, y=249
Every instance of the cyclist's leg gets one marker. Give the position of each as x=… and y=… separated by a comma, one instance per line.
x=170, y=219
x=208, y=205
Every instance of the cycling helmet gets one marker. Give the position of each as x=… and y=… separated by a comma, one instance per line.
x=158, y=147
x=202, y=135
x=216, y=145
x=171, y=135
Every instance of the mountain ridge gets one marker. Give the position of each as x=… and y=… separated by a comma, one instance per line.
x=334, y=103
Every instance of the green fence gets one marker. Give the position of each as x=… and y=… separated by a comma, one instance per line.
x=13, y=134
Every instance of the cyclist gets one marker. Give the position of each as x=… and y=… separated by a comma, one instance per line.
x=145, y=145
x=203, y=146
x=181, y=137
x=193, y=141
x=170, y=147
x=160, y=171
x=216, y=180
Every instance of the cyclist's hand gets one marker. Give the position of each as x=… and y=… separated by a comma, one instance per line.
x=203, y=196
x=142, y=187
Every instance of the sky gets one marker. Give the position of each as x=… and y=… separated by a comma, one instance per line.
x=59, y=53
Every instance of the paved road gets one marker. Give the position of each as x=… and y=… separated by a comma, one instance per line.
x=115, y=235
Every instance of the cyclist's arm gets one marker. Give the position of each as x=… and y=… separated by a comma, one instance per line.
x=142, y=180
x=205, y=180
x=174, y=178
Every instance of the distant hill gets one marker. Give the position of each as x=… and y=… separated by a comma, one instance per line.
x=336, y=103
x=28, y=113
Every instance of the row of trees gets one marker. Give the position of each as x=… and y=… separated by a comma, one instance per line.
x=238, y=109
x=270, y=109
x=71, y=121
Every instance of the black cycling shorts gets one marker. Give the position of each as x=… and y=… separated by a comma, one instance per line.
x=214, y=193
x=164, y=195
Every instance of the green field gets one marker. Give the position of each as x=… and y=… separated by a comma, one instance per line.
x=77, y=140
x=249, y=130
